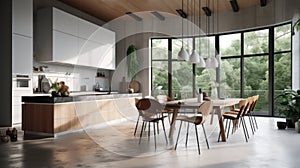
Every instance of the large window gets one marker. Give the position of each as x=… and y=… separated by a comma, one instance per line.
x=256, y=61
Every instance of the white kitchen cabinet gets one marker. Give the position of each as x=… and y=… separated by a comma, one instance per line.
x=86, y=29
x=65, y=48
x=21, y=54
x=65, y=38
x=17, y=104
x=65, y=22
x=22, y=17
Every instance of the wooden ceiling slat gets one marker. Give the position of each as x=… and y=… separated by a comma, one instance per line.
x=110, y=9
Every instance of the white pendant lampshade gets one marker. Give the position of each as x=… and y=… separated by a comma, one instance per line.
x=201, y=63
x=194, y=57
x=214, y=62
x=183, y=55
x=208, y=63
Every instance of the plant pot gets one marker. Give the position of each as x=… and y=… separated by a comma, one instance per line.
x=290, y=123
x=281, y=124
x=54, y=94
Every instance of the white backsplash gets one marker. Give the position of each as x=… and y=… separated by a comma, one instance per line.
x=76, y=77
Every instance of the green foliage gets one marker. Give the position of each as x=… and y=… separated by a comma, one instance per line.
x=255, y=70
x=289, y=104
x=54, y=85
x=132, y=62
x=297, y=25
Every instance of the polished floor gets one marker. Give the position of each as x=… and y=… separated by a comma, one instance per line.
x=115, y=146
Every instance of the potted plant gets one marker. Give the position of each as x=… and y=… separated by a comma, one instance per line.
x=55, y=88
x=288, y=104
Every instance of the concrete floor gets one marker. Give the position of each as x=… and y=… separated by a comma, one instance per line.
x=115, y=146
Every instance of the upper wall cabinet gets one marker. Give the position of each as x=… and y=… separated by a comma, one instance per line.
x=22, y=42
x=22, y=14
x=65, y=38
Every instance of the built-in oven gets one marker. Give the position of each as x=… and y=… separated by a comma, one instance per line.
x=21, y=81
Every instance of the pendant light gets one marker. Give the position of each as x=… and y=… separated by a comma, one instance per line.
x=183, y=54
x=210, y=62
x=195, y=58
x=201, y=63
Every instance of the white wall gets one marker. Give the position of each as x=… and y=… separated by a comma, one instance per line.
x=130, y=31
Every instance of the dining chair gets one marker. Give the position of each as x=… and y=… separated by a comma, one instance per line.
x=151, y=111
x=248, y=112
x=169, y=112
x=251, y=111
x=198, y=118
x=235, y=117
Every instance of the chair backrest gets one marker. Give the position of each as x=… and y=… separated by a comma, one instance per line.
x=149, y=107
x=250, y=101
x=243, y=106
x=255, y=99
x=205, y=108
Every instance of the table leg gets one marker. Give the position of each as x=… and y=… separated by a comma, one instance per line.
x=221, y=125
x=173, y=122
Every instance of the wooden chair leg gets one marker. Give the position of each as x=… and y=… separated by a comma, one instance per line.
x=220, y=130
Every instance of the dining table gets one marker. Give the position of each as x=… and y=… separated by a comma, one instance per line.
x=192, y=103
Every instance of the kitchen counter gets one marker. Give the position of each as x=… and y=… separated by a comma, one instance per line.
x=57, y=115
x=75, y=97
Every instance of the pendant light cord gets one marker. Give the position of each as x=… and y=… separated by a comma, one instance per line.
x=182, y=25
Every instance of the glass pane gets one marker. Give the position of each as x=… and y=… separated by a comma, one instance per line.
x=206, y=46
x=182, y=79
x=230, y=45
x=159, y=78
x=177, y=44
x=159, y=49
x=206, y=80
x=282, y=76
x=230, y=78
x=256, y=81
x=256, y=42
x=282, y=35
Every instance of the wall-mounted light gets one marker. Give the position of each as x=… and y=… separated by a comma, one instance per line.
x=207, y=11
x=134, y=16
x=263, y=3
x=158, y=15
x=181, y=13
x=234, y=5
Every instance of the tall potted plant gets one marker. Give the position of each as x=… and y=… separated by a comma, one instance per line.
x=288, y=104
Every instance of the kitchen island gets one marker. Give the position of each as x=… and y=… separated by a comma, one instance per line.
x=58, y=115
